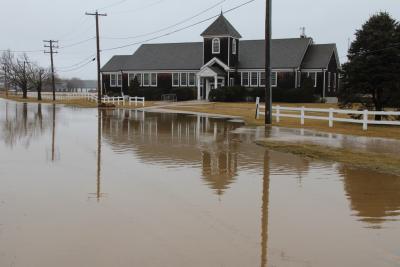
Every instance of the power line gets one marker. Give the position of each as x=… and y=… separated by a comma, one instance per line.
x=79, y=67
x=113, y=5
x=140, y=8
x=178, y=30
x=77, y=43
x=168, y=27
x=79, y=63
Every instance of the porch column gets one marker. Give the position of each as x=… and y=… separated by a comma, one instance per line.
x=198, y=88
x=216, y=82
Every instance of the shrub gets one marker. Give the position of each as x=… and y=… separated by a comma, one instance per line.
x=228, y=94
x=184, y=93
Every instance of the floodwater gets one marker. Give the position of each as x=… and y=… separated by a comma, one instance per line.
x=85, y=188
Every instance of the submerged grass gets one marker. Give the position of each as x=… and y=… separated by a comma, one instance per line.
x=383, y=163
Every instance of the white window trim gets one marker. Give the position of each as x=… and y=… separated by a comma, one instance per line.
x=134, y=74
x=248, y=79
x=194, y=81
x=234, y=46
x=259, y=79
x=179, y=79
x=334, y=81
x=329, y=79
x=151, y=79
x=276, y=79
x=115, y=80
x=251, y=79
x=119, y=80
x=219, y=46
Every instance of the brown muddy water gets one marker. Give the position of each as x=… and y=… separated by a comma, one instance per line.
x=126, y=188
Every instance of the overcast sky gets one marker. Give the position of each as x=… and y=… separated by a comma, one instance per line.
x=25, y=23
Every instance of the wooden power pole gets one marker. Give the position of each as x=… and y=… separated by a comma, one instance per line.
x=99, y=87
x=51, y=45
x=268, y=90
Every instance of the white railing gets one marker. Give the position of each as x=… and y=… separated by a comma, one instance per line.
x=135, y=100
x=365, y=114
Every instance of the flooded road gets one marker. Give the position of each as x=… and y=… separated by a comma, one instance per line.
x=80, y=187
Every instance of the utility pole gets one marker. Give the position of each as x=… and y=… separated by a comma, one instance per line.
x=268, y=91
x=99, y=87
x=51, y=45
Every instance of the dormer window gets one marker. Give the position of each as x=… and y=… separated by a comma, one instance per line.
x=234, y=47
x=216, y=46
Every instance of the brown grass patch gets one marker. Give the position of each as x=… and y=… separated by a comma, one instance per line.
x=383, y=163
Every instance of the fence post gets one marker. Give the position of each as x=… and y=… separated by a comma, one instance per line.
x=278, y=114
x=365, y=120
x=302, y=115
x=331, y=117
x=135, y=101
x=257, y=108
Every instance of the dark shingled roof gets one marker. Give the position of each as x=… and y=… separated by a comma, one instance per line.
x=285, y=53
x=174, y=56
x=319, y=56
x=221, y=27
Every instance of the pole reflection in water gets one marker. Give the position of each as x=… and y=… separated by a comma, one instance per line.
x=98, y=195
x=265, y=208
x=53, y=137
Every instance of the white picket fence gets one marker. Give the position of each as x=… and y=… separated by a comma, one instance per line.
x=120, y=100
x=278, y=113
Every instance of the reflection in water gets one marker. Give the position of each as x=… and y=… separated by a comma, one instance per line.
x=174, y=140
x=165, y=211
x=264, y=211
x=22, y=123
x=374, y=197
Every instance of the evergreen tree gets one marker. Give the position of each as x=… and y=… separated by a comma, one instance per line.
x=371, y=77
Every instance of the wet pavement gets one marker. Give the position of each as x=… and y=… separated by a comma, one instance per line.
x=80, y=187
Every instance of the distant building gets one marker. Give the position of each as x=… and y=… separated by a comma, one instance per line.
x=224, y=59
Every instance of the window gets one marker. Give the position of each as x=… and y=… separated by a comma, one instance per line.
x=146, y=79
x=138, y=76
x=216, y=46
x=154, y=79
x=298, y=78
x=113, y=80
x=192, y=79
x=274, y=79
x=245, y=78
x=329, y=80
x=334, y=80
x=234, y=46
x=119, y=80
x=254, y=78
x=175, y=79
x=262, y=79
x=131, y=78
x=184, y=79
x=232, y=82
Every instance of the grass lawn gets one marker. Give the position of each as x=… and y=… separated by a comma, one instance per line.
x=247, y=112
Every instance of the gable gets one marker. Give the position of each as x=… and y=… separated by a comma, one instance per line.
x=319, y=56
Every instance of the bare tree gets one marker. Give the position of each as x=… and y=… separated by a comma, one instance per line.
x=36, y=77
x=16, y=70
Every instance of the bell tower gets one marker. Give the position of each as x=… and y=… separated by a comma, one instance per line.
x=221, y=40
